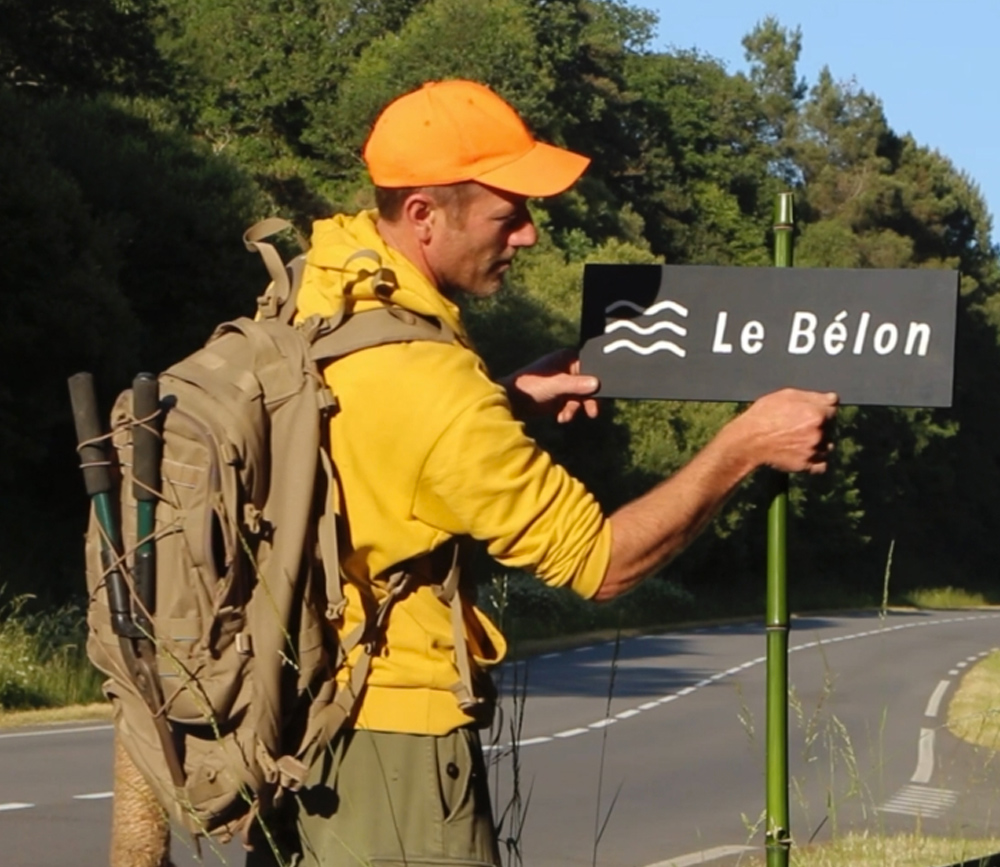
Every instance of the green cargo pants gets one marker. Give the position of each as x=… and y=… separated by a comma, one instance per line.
x=387, y=800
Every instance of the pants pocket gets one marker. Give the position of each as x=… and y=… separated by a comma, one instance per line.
x=456, y=771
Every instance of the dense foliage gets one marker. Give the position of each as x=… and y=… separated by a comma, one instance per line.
x=140, y=137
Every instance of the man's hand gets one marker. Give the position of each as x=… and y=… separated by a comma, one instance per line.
x=788, y=430
x=553, y=385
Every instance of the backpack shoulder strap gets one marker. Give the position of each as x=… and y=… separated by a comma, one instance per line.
x=375, y=327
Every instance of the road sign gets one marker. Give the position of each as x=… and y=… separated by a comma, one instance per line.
x=692, y=332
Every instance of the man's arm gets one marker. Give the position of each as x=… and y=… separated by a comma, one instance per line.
x=785, y=430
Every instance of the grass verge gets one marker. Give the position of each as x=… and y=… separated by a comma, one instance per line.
x=901, y=850
x=974, y=712
x=98, y=711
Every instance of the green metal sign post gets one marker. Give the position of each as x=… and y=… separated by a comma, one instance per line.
x=778, y=838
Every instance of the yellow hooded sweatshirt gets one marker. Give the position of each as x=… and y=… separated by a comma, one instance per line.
x=426, y=449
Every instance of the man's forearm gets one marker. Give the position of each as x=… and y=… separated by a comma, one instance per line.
x=785, y=430
x=651, y=530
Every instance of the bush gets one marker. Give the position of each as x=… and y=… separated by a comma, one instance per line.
x=43, y=662
x=524, y=607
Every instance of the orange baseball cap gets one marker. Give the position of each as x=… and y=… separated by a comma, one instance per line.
x=448, y=132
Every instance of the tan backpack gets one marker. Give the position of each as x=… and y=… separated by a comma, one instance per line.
x=211, y=553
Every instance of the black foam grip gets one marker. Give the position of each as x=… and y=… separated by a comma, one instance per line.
x=145, y=437
x=93, y=457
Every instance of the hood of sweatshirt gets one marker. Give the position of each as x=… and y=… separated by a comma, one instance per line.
x=348, y=258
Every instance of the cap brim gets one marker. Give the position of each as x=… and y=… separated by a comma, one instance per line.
x=545, y=170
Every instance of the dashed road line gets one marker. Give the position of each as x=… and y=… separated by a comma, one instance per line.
x=14, y=805
x=570, y=733
x=935, y=700
x=925, y=757
x=94, y=796
x=925, y=743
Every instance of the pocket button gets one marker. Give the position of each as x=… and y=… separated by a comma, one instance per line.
x=452, y=770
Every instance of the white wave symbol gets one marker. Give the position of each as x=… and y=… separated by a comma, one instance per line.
x=679, y=330
x=658, y=346
x=679, y=309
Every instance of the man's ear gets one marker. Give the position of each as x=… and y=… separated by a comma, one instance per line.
x=421, y=213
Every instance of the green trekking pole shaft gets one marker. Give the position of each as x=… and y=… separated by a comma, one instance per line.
x=146, y=448
x=97, y=479
x=778, y=839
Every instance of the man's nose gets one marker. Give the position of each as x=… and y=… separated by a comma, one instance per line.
x=525, y=236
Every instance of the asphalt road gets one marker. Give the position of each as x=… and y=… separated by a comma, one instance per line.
x=653, y=749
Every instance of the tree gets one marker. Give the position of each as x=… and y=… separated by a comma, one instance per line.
x=80, y=46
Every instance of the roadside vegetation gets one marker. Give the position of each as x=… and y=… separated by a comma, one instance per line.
x=900, y=850
x=943, y=598
x=43, y=663
x=974, y=712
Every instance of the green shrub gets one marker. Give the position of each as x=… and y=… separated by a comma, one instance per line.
x=526, y=608
x=43, y=662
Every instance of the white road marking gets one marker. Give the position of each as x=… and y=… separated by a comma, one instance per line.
x=926, y=743
x=936, y=696
x=920, y=801
x=15, y=805
x=703, y=856
x=570, y=733
x=50, y=732
x=925, y=757
x=94, y=796
x=953, y=672
x=550, y=656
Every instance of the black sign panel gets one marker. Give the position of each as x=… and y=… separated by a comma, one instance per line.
x=884, y=337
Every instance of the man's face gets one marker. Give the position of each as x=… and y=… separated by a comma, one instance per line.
x=475, y=237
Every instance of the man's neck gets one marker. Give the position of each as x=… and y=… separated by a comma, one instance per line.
x=403, y=242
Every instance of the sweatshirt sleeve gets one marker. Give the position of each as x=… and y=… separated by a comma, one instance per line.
x=486, y=478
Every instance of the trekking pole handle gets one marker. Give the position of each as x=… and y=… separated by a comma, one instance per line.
x=93, y=455
x=146, y=437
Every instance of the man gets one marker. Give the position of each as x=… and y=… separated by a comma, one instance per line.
x=428, y=451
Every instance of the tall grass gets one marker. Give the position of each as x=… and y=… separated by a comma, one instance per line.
x=43, y=662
